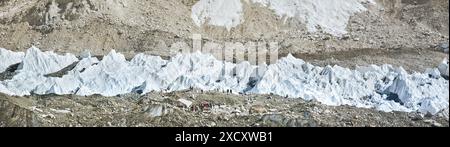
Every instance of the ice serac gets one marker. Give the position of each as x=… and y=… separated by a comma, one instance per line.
x=420, y=92
x=110, y=77
x=69, y=83
x=32, y=70
x=294, y=78
x=195, y=71
x=8, y=58
x=384, y=88
x=114, y=75
x=225, y=13
x=4, y=90
x=36, y=61
x=149, y=66
x=205, y=72
x=381, y=87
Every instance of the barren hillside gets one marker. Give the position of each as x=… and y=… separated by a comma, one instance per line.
x=153, y=26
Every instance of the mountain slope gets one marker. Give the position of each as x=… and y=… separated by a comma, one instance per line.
x=153, y=26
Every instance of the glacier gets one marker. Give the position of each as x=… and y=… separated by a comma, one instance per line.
x=385, y=87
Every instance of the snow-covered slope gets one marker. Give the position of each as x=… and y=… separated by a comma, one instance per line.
x=226, y=13
x=330, y=15
x=382, y=87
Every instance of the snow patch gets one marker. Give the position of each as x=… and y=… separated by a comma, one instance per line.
x=331, y=16
x=226, y=13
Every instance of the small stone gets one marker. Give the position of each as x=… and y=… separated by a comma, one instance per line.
x=185, y=102
x=51, y=116
x=155, y=111
x=345, y=37
x=257, y=109
x=291, y=123
x=428, y=121
x=60, y=111
x=273, y=119
x=213, y=124
x=436, y=124
x=379, y=36
x=361, y=28
x=193, y=96
x=305, y=123
x=356, y=39
x=236, y=111
x=273, y=110
x=224, y=118
x=35, y=109
x=416, y=117
x=444, y=47
x=119, y=32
